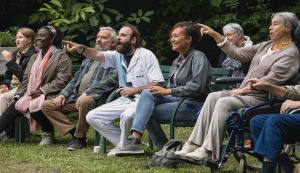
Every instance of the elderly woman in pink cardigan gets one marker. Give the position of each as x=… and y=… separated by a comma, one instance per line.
x=274, y=61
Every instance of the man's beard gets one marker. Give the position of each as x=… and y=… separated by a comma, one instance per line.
x=102, y=47
x=125, y=47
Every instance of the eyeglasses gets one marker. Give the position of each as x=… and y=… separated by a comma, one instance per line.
x=229, y=34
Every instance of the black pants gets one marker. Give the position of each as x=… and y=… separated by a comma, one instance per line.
x=10, y=114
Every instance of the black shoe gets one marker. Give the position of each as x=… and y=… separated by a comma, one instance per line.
x=79, y=143
x=71, y=142
x=286, y=163
x=268, y=167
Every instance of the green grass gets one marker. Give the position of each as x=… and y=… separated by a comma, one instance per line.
x=29, y=157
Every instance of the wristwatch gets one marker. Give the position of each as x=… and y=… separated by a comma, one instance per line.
x=82, y=50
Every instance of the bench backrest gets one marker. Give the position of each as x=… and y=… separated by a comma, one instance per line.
x=218, y=73
x=165, y=69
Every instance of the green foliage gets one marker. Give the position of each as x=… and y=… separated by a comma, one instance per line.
x=7, y=39
x=253, y=16
x=160, y=45
x=80, y=19
x=77, y=19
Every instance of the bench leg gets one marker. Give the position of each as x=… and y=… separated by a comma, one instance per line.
x=103, y=144
x=22, y=130
x=150, y=143
x=97, y=138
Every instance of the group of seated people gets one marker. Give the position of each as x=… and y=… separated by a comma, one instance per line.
x=38, y=85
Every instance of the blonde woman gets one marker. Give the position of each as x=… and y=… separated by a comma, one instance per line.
x=16, y=65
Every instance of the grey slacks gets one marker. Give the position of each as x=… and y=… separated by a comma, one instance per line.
x=210, y=128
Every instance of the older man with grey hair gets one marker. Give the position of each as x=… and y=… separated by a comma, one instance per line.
x=89, y=84
x=235, y=34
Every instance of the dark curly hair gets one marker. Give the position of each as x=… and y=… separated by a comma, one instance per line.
x=56, y=33
x=189, y=29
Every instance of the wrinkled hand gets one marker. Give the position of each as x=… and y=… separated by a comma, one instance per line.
x=257, y=84
x=7, y=55
x=72, y=47
x=241, y=91
x=81, y=99
x=59, y=100
x=3, y=89
x=126, y=92
x=157, y=90
x=289, y=104
x=35, y=94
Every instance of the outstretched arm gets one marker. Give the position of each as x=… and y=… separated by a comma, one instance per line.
x=85, y=51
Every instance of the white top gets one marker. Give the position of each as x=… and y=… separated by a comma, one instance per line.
x=142, y=70
x=267, y=54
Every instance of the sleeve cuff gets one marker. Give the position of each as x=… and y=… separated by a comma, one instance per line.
x=286, y=94
x=223, y=42
x=16, y=97
x=173, y=92
x=43, y=91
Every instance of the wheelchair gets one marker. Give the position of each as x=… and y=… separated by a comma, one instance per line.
x=237, y=126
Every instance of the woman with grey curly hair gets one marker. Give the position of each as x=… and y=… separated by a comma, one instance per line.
x=235, y=34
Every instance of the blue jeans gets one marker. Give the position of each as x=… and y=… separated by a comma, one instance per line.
x=271, y=132
x=154, y=109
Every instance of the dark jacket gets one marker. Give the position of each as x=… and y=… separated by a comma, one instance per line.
x=18, y=70
x=102, y=81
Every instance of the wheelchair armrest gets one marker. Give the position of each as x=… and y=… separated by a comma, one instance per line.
x=237, y=119
x=262, y=108
x=229, y=80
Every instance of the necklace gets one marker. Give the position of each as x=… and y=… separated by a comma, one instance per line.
x=281, y=45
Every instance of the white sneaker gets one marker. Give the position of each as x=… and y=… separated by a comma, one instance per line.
x=3, y=137
x=199, y=154
x=47, y=138
x=113, y=151
x=186, y=149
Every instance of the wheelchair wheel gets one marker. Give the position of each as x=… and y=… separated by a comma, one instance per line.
x=242, y=165
x=252, y=163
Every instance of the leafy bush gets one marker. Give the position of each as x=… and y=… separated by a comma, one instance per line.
x=82, y=20
x=7, y=39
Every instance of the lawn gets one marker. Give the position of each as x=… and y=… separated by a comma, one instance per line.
x=29, y=157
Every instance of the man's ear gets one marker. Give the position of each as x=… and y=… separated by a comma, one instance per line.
x=133, y=40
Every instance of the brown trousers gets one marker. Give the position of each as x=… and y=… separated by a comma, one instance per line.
x=58, y=118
